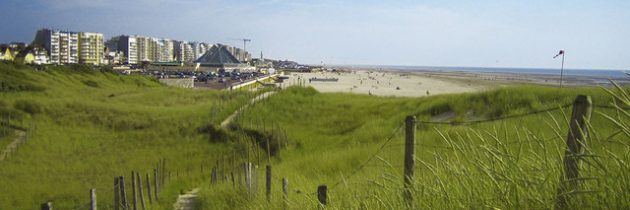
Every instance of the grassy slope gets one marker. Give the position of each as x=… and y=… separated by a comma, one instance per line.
x=504, y=164
x=92, y=126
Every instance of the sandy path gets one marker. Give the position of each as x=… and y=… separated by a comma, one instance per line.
x=229, y=119
x=186, y=201
x=19, y=139
x=383, y=83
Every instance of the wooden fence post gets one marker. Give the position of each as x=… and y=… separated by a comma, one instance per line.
x=92, y=199
x=47, y=206
x=285, y=192
x=116, y=193
x=322, y=195
x=139, y=181
x=148, y=181
x=213, y=175
x=268, y=181
x=410, y=141
x=248, y=177
x=254, y=178
x=163, y=174
x=134, y=197
x=123, y=193
x=576, y=139
x=155, y=184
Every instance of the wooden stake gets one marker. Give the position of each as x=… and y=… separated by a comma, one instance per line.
x=123, y=193
x=410, y=141
x=117, y=193
x=148, y=180
x=248, y=177
x=214, y=176
x=156, y=186
x=268, y=181
x=134, y=197
x=322, y=195
x=92, y=199
x=163, y=174
x=141, y=194
x=285, y=192
x=576, y=140
x=47, y=206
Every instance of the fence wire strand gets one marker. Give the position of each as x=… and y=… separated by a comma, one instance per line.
x=615, y=107
x=494, y=119
x=362, y=166
x=386, y=143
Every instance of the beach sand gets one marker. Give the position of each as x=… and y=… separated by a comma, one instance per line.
x=417, y=83
x=383, y=83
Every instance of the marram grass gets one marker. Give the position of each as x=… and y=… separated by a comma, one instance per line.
x=91, y=126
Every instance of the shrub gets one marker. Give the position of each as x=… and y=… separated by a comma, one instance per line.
x=29, y=106
x=91, y=83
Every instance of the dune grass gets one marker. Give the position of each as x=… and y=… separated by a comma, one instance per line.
x=92, y=125
x=508, y=164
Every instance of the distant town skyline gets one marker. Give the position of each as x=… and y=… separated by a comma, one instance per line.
x=485, y=33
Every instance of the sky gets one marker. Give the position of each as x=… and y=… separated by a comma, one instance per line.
x=475, y=33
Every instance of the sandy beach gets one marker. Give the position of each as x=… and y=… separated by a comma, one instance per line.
x=426, y=83
x=382, y=83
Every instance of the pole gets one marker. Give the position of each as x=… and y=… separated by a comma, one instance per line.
x=92, y=199
x=410, y=141
x=117, y=193
x=562, y=69
x=576, y=140
x=268, y=182
x=322, y=196
x=285, y=192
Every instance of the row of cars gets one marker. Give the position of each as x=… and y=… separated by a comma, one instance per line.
x=220, y=76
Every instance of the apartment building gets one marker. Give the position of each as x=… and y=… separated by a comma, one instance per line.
x=199, y=48
x=183, y=52
x=125, y=44
x=166, y=50
x=240, y=54
x=62, y=46
x=91, y=47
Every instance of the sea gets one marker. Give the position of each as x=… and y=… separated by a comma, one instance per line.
x=599, y=73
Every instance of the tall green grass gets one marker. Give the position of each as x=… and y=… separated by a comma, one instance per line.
x=508, y=164
x=91, y=125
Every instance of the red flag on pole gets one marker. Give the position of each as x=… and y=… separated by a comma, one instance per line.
x=559, y=53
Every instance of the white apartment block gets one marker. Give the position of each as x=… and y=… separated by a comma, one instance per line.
x=199, y=48
x=62, y=46
x=91, y=47
x=183, y=51
x=166, y=50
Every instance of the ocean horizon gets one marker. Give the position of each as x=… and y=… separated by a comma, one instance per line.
x=602, y=73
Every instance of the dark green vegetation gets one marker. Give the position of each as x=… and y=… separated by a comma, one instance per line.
x=91, y=126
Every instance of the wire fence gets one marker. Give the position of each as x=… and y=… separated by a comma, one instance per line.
x=360, y=167
x=496, y=118
x=388, y=141
x=614, y=107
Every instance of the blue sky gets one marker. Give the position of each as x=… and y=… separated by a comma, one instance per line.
x=484, y=33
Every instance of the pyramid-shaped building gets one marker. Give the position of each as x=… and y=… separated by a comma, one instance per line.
x=218, y=56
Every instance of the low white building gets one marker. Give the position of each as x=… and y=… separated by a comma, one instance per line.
x=41, y=57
